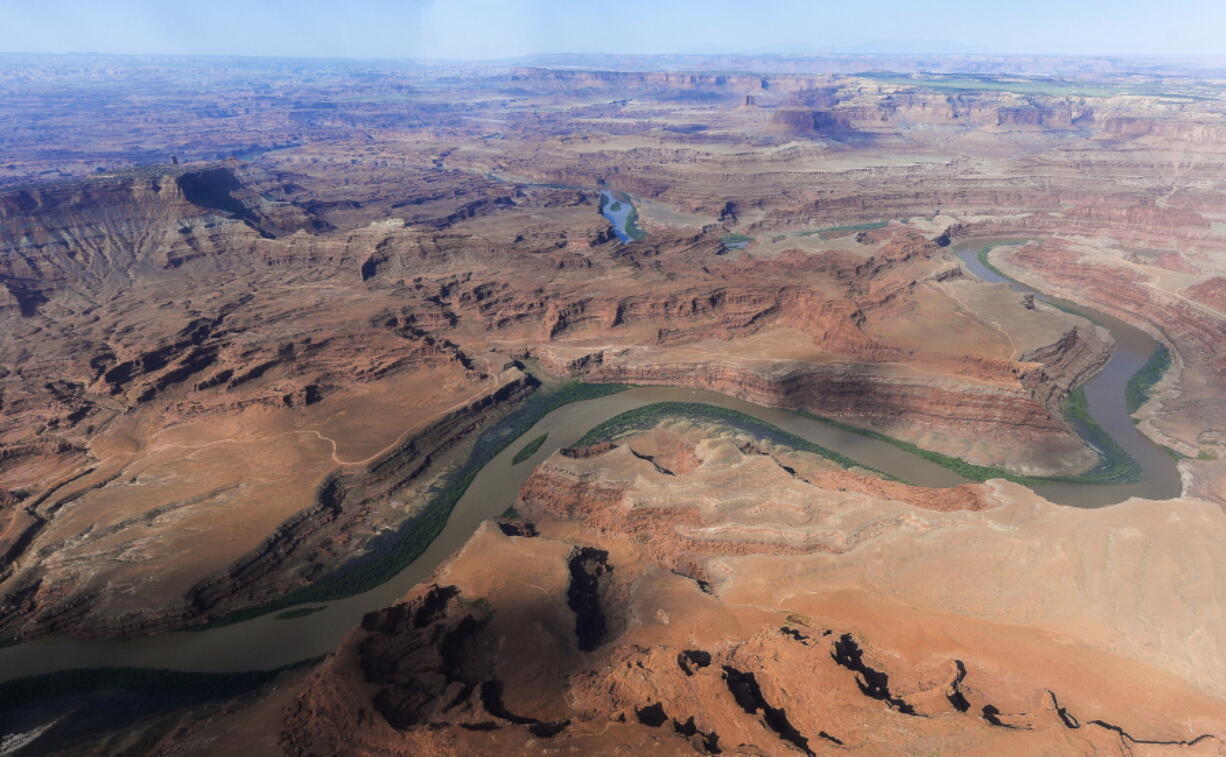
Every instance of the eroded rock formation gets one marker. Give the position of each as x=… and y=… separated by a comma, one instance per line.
x=227, y=378
x=778, y=652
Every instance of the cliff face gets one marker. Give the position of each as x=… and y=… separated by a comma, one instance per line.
x=1063, y=365
x=838, y=108
x=204, y=349
x=292, y=341
x=652, y=606
x=224, y=380
x=182, y=322
x=847, y=113
x=975, y=402
x=1180, y=416
x=1134, y=226
x=896, y=405
x=90, y=234
x=344, y=519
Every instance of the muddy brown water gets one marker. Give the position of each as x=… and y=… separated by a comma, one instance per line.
x=267, y=642
x=1105, y=396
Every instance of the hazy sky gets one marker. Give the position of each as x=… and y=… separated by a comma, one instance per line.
x=503, y=28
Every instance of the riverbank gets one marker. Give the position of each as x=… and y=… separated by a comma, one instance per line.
x=391, y=554
x=651, y=415
x=487, y=484
x=1101, y=409
x=618, y=208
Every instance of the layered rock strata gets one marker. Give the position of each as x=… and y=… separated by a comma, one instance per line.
x=708, y=623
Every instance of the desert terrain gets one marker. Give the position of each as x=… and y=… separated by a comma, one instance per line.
x=264, y=325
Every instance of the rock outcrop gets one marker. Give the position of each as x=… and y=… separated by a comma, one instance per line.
x=757, y=648
x=212, y=371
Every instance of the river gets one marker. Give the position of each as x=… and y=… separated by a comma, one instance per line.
x=1105, y=395
x=267, y=642
x=618, y=212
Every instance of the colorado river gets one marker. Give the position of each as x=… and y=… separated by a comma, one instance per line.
x=267, y=642
x=1105, y=396
x=619, y=210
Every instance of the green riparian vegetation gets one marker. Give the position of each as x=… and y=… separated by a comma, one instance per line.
x=417, y=533
x=648, y=416
x=299, y=612
x=529, y=449
x=632, y=226
x=1117, y=470
x=1136, y=391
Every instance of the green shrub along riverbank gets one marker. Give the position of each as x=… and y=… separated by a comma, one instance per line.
x=648, y=416
x=529, y=449
x=1116, y=466
x=389, y=555
x=299, y=612
x=1136, y=391
x=632, y=229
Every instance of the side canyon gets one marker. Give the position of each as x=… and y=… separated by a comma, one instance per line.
x=259, y=375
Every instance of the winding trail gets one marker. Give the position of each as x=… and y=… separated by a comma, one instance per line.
x=267, y=642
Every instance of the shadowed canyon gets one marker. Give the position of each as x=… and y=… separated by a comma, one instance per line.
x=740, y=406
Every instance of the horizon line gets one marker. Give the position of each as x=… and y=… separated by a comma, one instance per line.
x=527, y=56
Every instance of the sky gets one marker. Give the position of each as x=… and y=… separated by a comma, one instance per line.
x=488, y=29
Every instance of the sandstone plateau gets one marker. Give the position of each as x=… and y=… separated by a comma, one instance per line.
x=256, y=372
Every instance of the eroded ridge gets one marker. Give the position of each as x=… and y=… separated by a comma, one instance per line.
x=775, y=655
